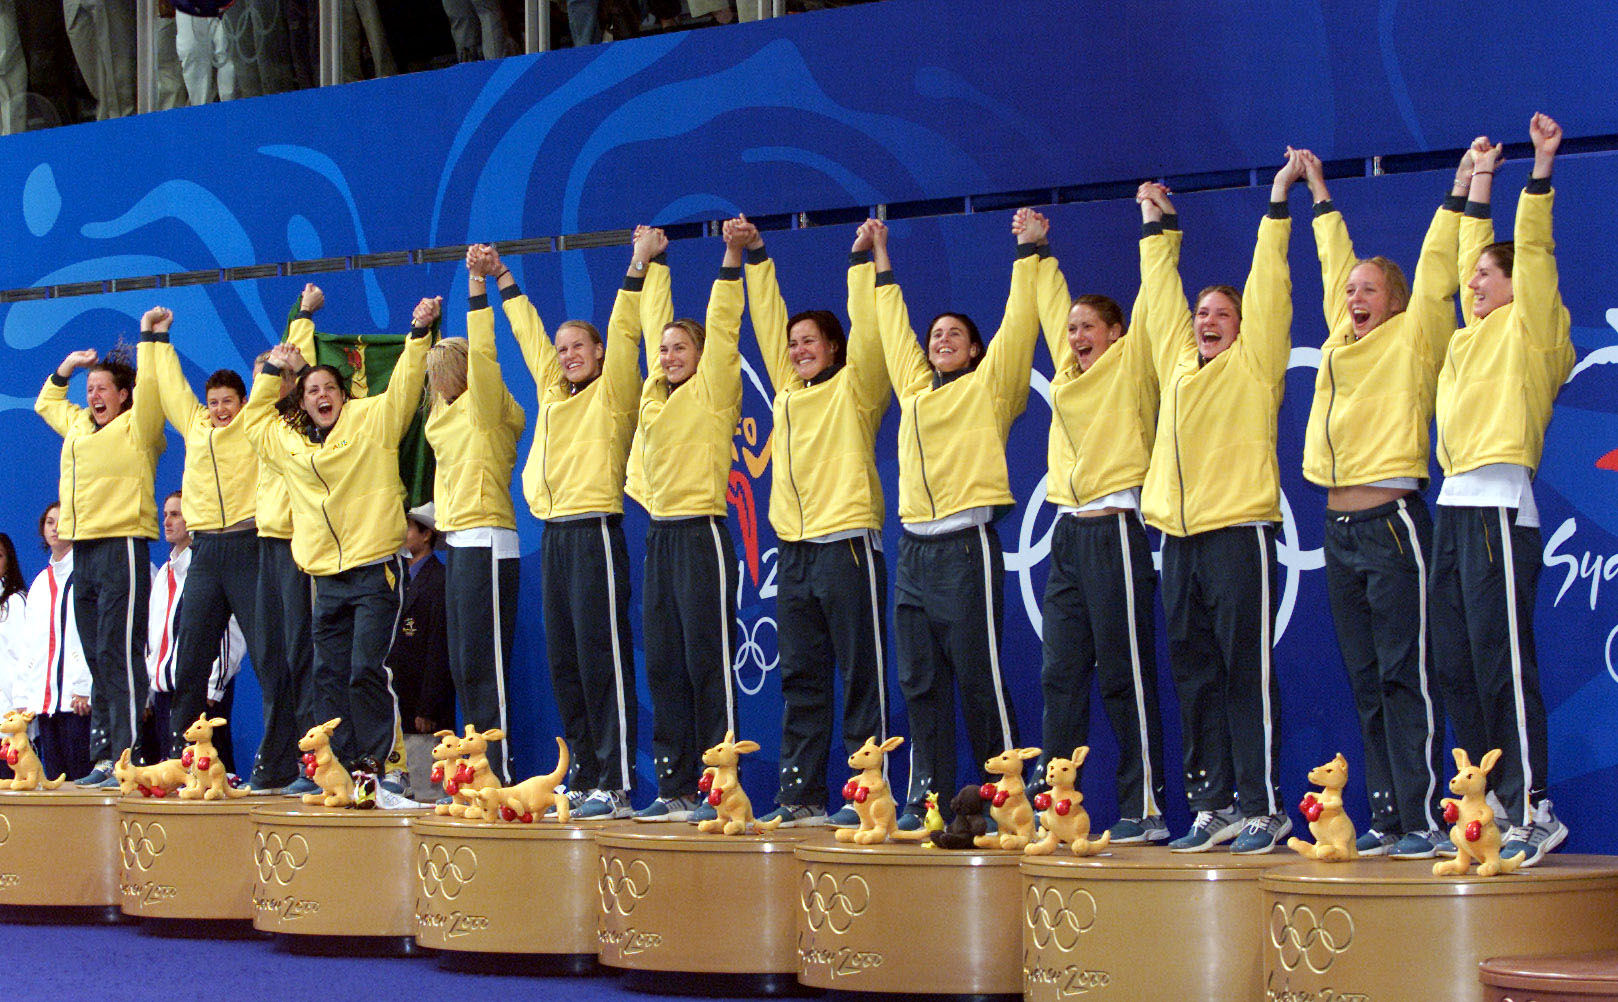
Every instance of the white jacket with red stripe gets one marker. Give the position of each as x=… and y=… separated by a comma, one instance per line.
x=54, y=669
x=162, y=628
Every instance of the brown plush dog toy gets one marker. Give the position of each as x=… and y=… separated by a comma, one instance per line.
x=968, y=824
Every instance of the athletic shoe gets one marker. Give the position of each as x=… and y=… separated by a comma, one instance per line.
x=1444, y=847
x=666, y=809
x=396, y=782
x=1374, y=843
x=261, y=789
x=97, y=776
x=795, y=816
x=110, y=783
x=846, y=817
x=604, y=805
x=1208, y=829
x=704, y=812
x=298, y=787
x=575, y=798
x=1545, y=833
x=910, y=821
x=1260, y=834
x=1415, y=845
x=1139, y=831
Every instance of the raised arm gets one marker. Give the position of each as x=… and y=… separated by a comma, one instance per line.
x=719, y=371
x=180, y=404
x=482, y=263
x=1266, y=338
x=767, y=309
x=1009, y=359
x=1168, y=318
x=146, y=405
x=1055, y=302
x=906, y=362
x=1535, y=285
x=1432, y=289
x=1477, y=228
x=261, y=421
x=656, y=300
x=403, y=394
x=52, y=403
x=484, y=383
x=1332, y=246
x=864, y=362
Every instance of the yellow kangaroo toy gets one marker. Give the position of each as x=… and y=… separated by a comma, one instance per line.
x=724, y=789
x=20, y=755
x=320, y=765
x=205, y=774
x=1008, y=802
x=1333, y=830
x=1476, y=837
x=868, y=792
x=1062, y=814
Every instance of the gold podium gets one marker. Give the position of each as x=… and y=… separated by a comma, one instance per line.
x=710, y=913
x=1386, y=929
x=1141, y=924
x=901, y=918
x=334, y=880
x=59, y=855
x=190, y=861
x=476, y=886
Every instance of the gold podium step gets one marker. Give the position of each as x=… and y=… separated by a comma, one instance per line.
x=1389, y=929
x=59, y=854
x=187, y=859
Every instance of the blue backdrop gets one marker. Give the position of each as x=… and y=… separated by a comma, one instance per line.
x=828, y=114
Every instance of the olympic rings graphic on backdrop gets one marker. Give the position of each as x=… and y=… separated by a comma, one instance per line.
x=751, y=651
x=1053, y=916
x=622, y=886
x=1302, y=938
x=280, y=857
x=829, y=902
x=444, y=873
x=142, y=844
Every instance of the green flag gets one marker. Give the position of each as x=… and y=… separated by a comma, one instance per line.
x=366, y=362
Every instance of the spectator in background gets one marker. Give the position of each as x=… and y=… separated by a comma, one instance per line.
x=103, y=37
x=419, y=659
x=479, y=28
x=204, y=50
x=13, y=73
x=303, y=37
x=56, y=679
x=362, y=26
x=259, y=46
x=13, y=618
x=721, y=10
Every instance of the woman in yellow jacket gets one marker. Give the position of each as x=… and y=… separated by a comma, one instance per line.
x=340, y=459
x=1097, y=613
x=826, y=508
x=1214, y=491
x=1367, y=444
x=957, y=401
x=574, y=481
x=679, y=470
x=1495, y=393
x=473, y=424
x=109, y=511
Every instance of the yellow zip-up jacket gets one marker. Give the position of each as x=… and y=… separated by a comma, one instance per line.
x=581, y=440
x=1214, y=462
x=106, y=487
x=679, y=463
x=272, y=502
x=953, y=429
x=220, y=483
x=1103, y=420
x=474, y=438
x=1503, y=372
x=347, y=498
x=824, y=477
x=1374, y=396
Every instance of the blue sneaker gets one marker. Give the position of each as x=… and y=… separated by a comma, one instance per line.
x=909, y=821
x=298, y=787
x=666, y=809
x=1444, y=847
x=1415, y=845
x=97, y=776
x=795, y=816
x=704, y=811
x=603, y=805
x=1208, y=829
x=1536, y=839
x=396, y=782
x=846, y=817
x=1374, y=843
x=1260, y=834
x=1139, y=831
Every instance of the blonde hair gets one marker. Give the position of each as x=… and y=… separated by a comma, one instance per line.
x=699, y=337
x=1398, y=287
x=446, y=369
x=583, y=325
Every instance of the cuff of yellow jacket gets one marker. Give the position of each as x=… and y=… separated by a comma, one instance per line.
x=1454, y=203
x=58, y=379
x=730, y=274
x=1278, y=210
x=416, y=332
x=757, y=255
x=270, y=369
x=477, y=302
x=510, y=292
x=1538, y=186
x=304, y=315
x=160, y=337
x=886, y=278
x=1027, y=250
x=1324, y=207
x=1479, y=210
x=1169, y=222
x=857, y=258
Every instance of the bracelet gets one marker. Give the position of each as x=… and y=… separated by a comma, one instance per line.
x=503, y=274
x=477, y=278
x=1483, y=173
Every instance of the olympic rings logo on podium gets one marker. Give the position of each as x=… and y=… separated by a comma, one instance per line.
x=280, y=857
x=1301, y=938
x=1051, y=915
x=142, y=844
x=622, y=886
x=828, y=902
x=5, y=829
x=444, y=873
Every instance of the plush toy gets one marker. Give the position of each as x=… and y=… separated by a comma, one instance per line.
x=463, y=767
x=19, y=753
x=723, y=788
x=1476, y=837
x=158, y=780
x=206, y=779
x=968, y=825
x=526, y=801
x=873, y=801
x=320, y=765
x=1062, y=815
x=1008, y=804
x=1333, y=830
